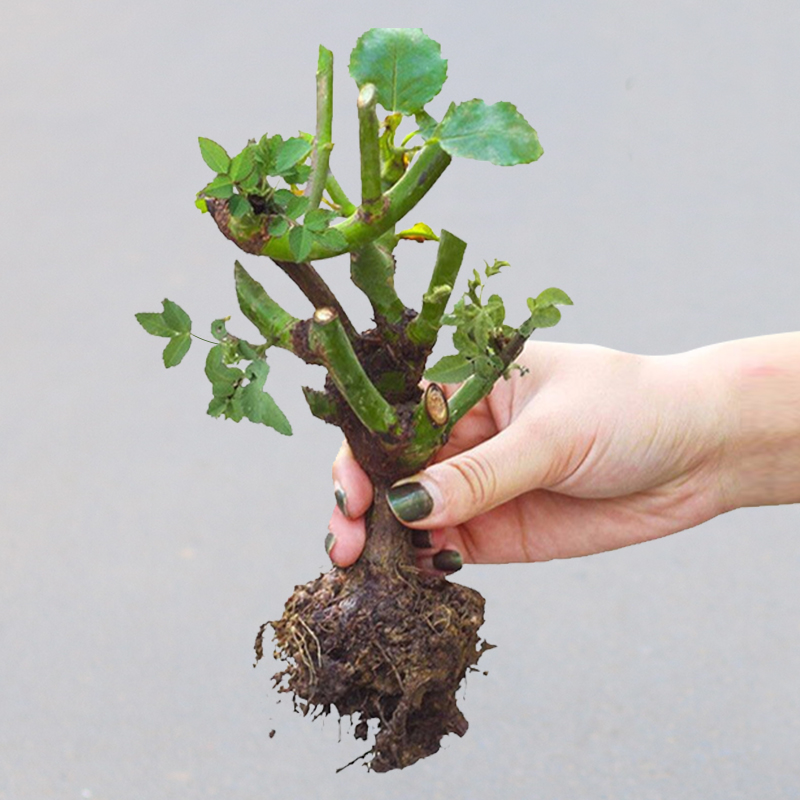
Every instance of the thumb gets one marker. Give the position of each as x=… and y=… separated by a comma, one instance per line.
x=472, y=482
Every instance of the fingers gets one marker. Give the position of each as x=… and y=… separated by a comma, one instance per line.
x=352, y=488
x=472, y=482
x=345, y=540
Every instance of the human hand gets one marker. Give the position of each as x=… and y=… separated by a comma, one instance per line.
x=592, y=450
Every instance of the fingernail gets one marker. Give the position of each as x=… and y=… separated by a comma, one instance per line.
x=410, y=502
x=448, y=561
x=421, y=539
x=330, y=540
x=341, y=498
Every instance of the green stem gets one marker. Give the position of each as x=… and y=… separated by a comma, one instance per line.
x=362, y=227
x=275, y=325
x=477, y=386
x=369, y=145
x=321, y=155
x=328, y=338
x=424, y=328
x=372, y=270
x=338, y=196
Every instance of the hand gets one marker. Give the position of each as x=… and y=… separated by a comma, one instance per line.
x=592, y=450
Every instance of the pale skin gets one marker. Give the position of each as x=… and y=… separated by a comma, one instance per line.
x=596, y=449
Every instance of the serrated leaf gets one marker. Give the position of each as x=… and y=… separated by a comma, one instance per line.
x=405, y=65
x=239, y=206
x=419, y=233
x=544, y=316
x=214, y=155
x=297, y=175
x=464, y=344
x=176, y=317
x=426, y=124
x=290, y=153
x=553, y=297
x=496, y=133
x=221, y=187
x=242, y=165
x=217, y=406
x=300, y=242
x=496, y=310
x=451, y=369
x=296, y=206
x=176, y=349
x=257, y=405
x=154, y=324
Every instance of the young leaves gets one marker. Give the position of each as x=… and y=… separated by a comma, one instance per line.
x=405, y=65
x=235, y=399
x=544, y=313
x=496, y=133
x=173, y=323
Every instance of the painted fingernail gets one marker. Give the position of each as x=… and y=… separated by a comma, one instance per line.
x=341, y=498
x=421, y=539
x=448, y=561
x=330, y=541
x=410, y=502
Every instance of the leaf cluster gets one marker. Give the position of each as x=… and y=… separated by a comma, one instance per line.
x=172, y=323
x=244, y=182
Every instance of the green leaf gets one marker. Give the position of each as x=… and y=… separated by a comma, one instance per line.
x=544, y=316
x=426, y=124
x=405, y=65
x=333, y=239
x=221, y=187
x=278, y=226
x=300, y=242
x=553, y=297
x=296, y=206
x=495, y=268
x=154, y=324
x=200, y=202
x=176, y=317
x=290, y=153
x=218, y=329
x=214, y=155
x=257, y=405
x=224, y=380
x=239, y=206
x=496, y=133
x=176, y=349
x=242, y=165
x=451, y=369
x=317, y=219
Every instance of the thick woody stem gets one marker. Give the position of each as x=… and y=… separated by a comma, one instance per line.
x=369, y=144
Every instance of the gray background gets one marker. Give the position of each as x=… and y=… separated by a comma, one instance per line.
x=143, y=542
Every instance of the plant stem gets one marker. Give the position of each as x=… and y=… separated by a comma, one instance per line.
x=424, y=328
x=372, y=270
x=477, y=386
x=328, y=338
x=369, y=145
x=274, y=324
x=338, y=196
x=311, y=284
x=320, y=157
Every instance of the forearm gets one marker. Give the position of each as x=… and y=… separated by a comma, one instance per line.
x=760, y=380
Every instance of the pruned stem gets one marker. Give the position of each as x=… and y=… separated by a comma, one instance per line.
x=372, y=270
x=328, y=338
x=320, y=157
x=424, y=328
x=275, y=325
x=369, y=145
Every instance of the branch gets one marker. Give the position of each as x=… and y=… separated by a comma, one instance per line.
x=321, y=155
x=328, y=338
x=372, y=270
x=424, y=328
x=369, y=145
x=311, y=284
x=338, y=196
x=275, y=325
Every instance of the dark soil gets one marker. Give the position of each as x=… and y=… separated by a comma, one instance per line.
x=381, y=641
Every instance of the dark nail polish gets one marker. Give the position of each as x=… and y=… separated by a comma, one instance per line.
x=410, y=502
x=330, y=540
x=341, y=500
x=421, y=539
x=448, y=561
